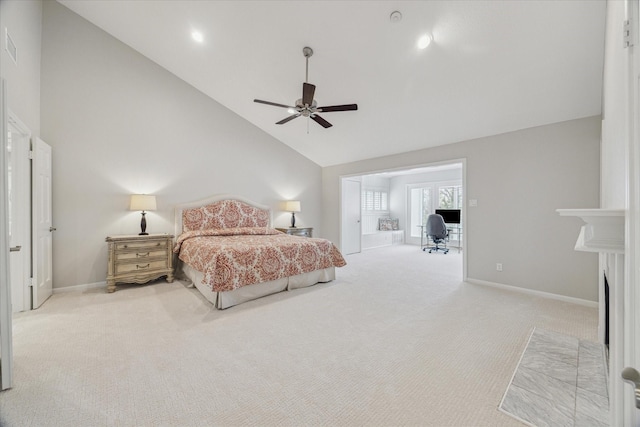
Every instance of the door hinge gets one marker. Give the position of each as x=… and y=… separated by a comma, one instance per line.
x=30, y=154
x=32, y=282
x=627, y=40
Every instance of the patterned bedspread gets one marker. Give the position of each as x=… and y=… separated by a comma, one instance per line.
x=234, y=257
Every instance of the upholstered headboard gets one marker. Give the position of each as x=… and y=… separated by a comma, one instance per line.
x=221, y=211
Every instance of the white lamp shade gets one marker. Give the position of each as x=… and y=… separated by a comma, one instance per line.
x=142, y=202
x=292, y=206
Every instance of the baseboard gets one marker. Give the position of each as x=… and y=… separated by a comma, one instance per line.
x=579, y=301
x=80, y=288
x=541, y=294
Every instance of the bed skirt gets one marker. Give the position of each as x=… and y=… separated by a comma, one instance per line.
x=222, y=300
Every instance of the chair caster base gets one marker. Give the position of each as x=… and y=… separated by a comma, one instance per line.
x=444, y=251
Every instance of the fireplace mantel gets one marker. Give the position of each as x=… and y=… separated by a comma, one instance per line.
x=603, y=231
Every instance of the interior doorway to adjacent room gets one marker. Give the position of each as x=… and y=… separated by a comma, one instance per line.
x=387, y=208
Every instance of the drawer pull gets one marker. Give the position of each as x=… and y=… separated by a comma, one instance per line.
x=140, y=267
x=126, y=246
x=142, y=255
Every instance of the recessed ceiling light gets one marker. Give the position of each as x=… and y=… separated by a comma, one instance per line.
x=424, y=41
x=197, y=36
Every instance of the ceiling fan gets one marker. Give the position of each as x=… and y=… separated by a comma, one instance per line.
x=307, y=106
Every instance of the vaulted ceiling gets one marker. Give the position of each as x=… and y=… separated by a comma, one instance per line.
x=491, y=67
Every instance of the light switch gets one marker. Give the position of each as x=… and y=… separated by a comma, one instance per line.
x=473, y=202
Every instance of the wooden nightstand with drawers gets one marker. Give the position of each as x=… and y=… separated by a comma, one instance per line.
x=139, y=259
x=297, y=231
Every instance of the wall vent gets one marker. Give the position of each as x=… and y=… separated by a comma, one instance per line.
x=10, y=46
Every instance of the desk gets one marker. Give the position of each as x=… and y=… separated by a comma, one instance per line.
x=455, y=229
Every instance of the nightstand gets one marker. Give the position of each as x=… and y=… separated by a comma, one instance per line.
x=139, y=259
x=297, y=231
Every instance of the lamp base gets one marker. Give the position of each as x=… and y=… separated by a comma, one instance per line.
x=293, y=220
x=143, y=225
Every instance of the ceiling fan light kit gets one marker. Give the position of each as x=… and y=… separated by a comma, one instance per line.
x=307, y=105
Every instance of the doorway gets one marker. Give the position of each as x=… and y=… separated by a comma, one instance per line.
x=399, y=195
x=29, y=216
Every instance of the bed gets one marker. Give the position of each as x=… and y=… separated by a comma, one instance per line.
x=227, y=248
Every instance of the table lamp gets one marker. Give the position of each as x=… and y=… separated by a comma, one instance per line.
x=292, y=206
x=143, y=202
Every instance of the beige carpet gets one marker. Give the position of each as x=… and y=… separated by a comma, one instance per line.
x=397, y=339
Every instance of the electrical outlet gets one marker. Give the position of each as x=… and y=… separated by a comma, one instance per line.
x=499, y=266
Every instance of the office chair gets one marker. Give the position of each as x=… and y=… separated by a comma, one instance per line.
x=437, y=230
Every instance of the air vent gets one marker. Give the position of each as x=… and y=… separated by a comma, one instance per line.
x=11, y=46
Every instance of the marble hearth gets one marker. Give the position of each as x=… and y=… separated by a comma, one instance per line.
x=560, y=381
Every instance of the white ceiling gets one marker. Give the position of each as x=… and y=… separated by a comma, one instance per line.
x=493, y=66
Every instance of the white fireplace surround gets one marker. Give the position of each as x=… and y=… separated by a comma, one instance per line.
x=604, y=233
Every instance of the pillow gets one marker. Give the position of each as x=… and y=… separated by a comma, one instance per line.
x=388, y=224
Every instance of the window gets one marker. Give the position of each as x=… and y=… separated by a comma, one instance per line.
x=374, y=200
x=419, y=208
x=450, y=197
x=425, y=198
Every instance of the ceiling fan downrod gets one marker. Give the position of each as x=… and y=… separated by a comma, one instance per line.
x=307, y=52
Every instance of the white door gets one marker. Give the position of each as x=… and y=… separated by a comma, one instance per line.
x=6, y=342
x=42, y=223
x=351, y=216
x=19, y=190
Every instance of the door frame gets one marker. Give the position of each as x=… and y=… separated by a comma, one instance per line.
x=463, y=213
x=631, y=294
x=6, y=340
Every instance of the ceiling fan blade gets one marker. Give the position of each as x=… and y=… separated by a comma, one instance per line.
x=347, y=107
x=272, y=103
x=288, y=119
x=322, y=122
x=307, y=93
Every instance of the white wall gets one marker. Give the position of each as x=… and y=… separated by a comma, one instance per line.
x=120, y=124
x=23, y=20
x=519, y=179
x=375, y=182
x=615, y=112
